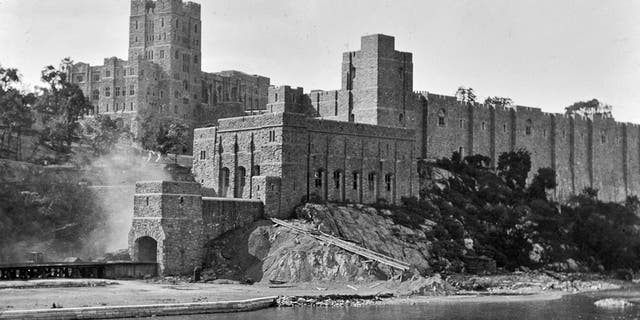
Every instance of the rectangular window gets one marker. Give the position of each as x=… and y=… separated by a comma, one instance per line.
x=108, y=73
x=177, y=55
x=96, y=77
x=203, y=155
x=107, y=93
x=132, y=90
x=461, y=125
x=117, y=91
x=80, y=78
x=131, y=106
x=161, y=54
x=195, y=59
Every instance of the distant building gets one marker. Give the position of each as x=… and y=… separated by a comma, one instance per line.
x=163, y=71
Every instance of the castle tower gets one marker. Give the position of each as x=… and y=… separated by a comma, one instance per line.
x=167, y=226
x=380, y=82
x=168, y=32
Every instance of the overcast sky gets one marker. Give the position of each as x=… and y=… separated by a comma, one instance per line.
x=540, y=53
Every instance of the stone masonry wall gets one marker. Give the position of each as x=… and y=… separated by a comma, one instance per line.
x=597, y=153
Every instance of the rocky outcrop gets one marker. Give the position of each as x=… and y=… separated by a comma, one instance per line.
x=373, y=229
x=263, y=252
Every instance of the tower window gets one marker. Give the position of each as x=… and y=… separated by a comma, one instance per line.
x=484, y=125
x=527, y=128
x=441, y=120
x=504, y=128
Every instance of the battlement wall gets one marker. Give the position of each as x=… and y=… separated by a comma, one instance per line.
x=593, y=152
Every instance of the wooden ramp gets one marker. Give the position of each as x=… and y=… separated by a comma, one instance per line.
x=346, y=245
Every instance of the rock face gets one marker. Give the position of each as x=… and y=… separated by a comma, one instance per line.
x=373, y=229
x=263, y=252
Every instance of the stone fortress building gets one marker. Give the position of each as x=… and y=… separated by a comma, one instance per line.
x=357, y=144
x=163, y=71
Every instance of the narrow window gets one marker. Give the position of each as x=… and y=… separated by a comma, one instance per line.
x=504, y=128
x=337, y=178
x=527, y=127
x=484, y=125
x=461, y=151
x=203, y=155
x=162, y=22
x=461, y=124
x=441, y=120
x=107, y=93
x=136, y=27
x=161, y=54
x=319, y=176
x=372, y=181
x=276, y=97
x=117, y=91
x=195, y=58
x=387, y=181
x=195, y=28
x=175, y=109
x=132, y=90
x=356, y=178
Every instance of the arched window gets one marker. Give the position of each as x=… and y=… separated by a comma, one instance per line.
x=255, y=171
x=441, y=115
x=371, y=181
x=387, y=181
x=356, y=180
x=319, y=177
x=527, y=127
x=224, y=181
x=337, y=179
x=241, y=174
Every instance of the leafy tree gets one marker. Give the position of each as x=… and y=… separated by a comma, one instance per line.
x=514, y=167
x=161, y=134
x=60, y=106
x=543, y=180
x=15, y=110
x=589, y=108
x=101, y=133
x=498, y=101
x=466, y=95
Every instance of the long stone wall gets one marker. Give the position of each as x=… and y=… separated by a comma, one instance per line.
x=599, y=153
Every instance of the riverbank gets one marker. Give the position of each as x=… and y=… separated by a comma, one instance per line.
x=43, y=294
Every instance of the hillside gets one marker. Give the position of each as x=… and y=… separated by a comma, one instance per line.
x=469, y=219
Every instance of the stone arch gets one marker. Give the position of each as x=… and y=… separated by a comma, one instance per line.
x=147, y=249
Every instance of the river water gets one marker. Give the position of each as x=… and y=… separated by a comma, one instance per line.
x=579, y=306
